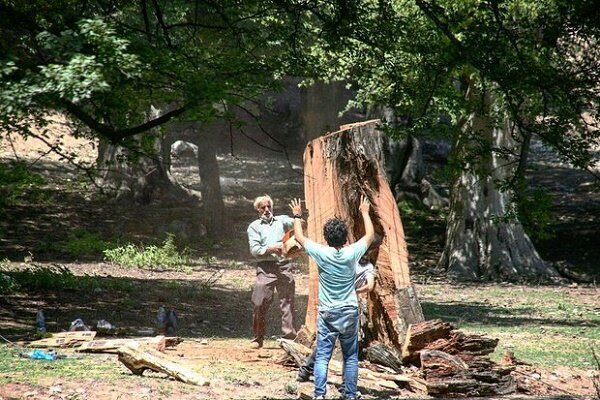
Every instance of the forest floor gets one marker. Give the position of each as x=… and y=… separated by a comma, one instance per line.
x=552, y=329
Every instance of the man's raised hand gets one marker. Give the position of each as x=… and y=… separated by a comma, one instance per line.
x=365, y=205
x=296, y=207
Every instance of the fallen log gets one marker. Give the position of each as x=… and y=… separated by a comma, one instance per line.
x=64, y=339
x=367, y=379
x=449, y=375
x=112, y=345
x=138, y=359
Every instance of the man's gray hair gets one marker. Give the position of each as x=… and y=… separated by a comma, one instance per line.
x=260, y=199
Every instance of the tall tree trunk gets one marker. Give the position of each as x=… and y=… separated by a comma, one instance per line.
x=210, y=187
x=339, y=168
x=481, y=243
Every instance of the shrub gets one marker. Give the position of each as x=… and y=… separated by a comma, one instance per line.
x=36, y=277
x=82, y=243
x=151, y=256
x=7, y=282
x=15, y=181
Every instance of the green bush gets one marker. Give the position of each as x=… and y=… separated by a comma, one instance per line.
x=37, y=277
x=7, y=282
x=82, y=243
x=15, y=181
x=151, y=256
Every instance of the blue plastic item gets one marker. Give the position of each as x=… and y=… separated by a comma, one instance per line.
x=39, y=354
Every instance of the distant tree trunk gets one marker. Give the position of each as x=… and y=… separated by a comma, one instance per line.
x=481, y=243
x=405, y=169
x=339, y=168
x=210, y=186
x=138, y=176
x=213, y=207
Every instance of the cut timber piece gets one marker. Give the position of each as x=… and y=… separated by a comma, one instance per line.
x=367, y=379
x=448, y=375
x=112, y=345
x=441, y=364
x=65, y=339
x=138, y=359
x=338, y=169
x=419, y=335
x=379, y=353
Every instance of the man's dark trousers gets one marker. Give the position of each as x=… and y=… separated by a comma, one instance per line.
x=271, y=276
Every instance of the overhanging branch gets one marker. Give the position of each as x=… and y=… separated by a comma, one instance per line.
x=116, y=135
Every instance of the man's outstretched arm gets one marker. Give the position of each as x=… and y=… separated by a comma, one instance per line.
x=364, y=208
x=297, y=212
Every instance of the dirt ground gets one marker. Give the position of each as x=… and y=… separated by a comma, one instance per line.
x=212, y=301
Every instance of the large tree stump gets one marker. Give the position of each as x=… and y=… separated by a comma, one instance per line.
x=339, y=168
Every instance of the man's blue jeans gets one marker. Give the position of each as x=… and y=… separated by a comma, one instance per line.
x=339, y=322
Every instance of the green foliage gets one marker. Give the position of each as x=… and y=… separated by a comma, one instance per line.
x=106, y=63
x=535, y=213
x=415, y=215
x=7, y=283
x=82, y=243
x=152, y=256
x=15, y=181
x=40, y=277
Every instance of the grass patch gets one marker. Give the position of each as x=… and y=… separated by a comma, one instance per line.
x=165, y=256
x=16, y=182
x=545, y=326
x=24, y=370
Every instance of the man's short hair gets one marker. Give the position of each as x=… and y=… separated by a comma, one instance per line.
x=335, y=232
x=260, y=199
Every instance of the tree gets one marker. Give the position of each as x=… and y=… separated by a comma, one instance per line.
x=489, y=75
x=122, y=70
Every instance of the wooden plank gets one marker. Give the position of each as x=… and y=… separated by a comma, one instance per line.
x=64, y=339
x=112, y=345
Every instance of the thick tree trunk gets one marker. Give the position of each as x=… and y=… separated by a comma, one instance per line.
x=481, y=243
x=339, y=168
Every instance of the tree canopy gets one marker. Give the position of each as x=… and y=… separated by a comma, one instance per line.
x=106, y=62
x=539, y=60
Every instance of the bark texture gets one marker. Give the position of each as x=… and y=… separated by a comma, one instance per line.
x=481, y=243
x=339, y=168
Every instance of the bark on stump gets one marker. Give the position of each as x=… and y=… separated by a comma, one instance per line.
x=339, y=168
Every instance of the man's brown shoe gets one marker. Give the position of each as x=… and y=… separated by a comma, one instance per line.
x=256, y=344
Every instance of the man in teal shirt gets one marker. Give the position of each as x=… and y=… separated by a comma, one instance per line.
x=338, y=304
x=273, y=270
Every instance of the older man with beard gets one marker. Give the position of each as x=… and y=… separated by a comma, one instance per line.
x=274, y=272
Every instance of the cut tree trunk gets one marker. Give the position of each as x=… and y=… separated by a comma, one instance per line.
x=139, y=358
x=338, y=169
x=481, y=242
